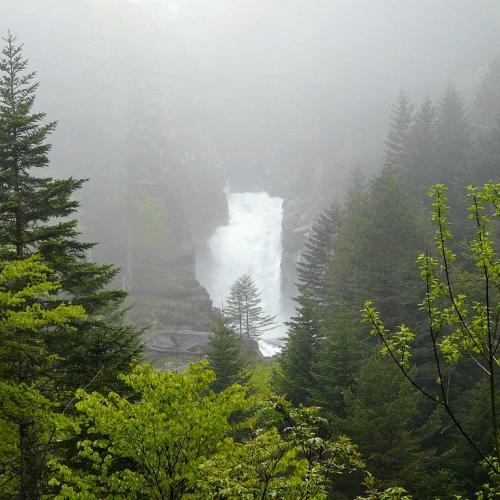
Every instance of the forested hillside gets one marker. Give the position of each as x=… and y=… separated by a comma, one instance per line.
x=398, y=410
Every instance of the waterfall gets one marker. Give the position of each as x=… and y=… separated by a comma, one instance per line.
x=250, y=243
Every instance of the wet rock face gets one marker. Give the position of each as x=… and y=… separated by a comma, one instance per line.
x=175, y=350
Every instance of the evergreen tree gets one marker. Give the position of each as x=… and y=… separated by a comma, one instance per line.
x=487, y=109
x=314, y=259
x=338, y=360
x=244, y=310
x=31, y=319
x=300, y=378
x=459, y=330
x=377, y=239
x=381, y=410
x=356, y=186
x=487, y=114
x=295, y=378
x=27, y=202
x=487, y=160
x=422, y=147
x=397, y=138
x=454, y=142
x=225, y=357
x=454, y=156
x=35, y=216
x=465, y=471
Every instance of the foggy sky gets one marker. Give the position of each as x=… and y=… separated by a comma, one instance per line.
x=276, y=84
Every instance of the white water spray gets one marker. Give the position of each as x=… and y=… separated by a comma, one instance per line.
x=249, y=244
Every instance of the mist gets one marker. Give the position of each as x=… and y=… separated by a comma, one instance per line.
x=162, y=104
x=259, y=236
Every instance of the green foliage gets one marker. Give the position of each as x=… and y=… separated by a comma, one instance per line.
x=295, y=379
x=315, y=257
x=225, y=357
x=459, y=324
x=261, y=378
x=487, y=109
x=336, y=459
x=422, y=146
x=387, y=218
x=263, y=467
x=152, y=443
x=36, y=218
x=397, y=138
x=395, y=493
x=381, y=230
x=171, y=437
x=381, y=412
x=31, y=319
x=454, y=142
x=46, y=333
x=338, y=360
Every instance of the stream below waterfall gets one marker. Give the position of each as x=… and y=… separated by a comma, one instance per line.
x=249, y=244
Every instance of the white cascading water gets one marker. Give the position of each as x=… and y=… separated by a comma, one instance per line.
x=249, y=244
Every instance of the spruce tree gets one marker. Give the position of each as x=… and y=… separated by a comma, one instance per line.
x=338, y=360
x=244, y=310
x=454, y=156
x=487, y=109
x=487, y=161
x=35, y=216
x=225, y=357
x=301, y=349
x=381, y=413
x=377, y=239
x=295, y=377
x=314, y=259
x=487, y=115
x=454, y=142
x=422, y=148
x=31, y=320
x=397, y=138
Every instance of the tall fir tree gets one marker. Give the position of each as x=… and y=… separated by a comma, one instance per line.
x=378, y=236
x=244, y=310
x=338, y=360
x=454, y=141
x=35, y=216
x=381, y=412
x=225, y=357
x=487, y=121
x=454, y=156
x=397, y=138
x=295, y=376
x=31, y=319
x=487, y=159
x=314, y=259
x=422, y=147
x=487, y=109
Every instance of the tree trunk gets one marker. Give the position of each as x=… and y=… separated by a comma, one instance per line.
x=29, y=487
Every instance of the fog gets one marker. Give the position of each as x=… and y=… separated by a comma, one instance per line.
x=162, y=104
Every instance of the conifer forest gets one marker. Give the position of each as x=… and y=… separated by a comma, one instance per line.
x=249, y=249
